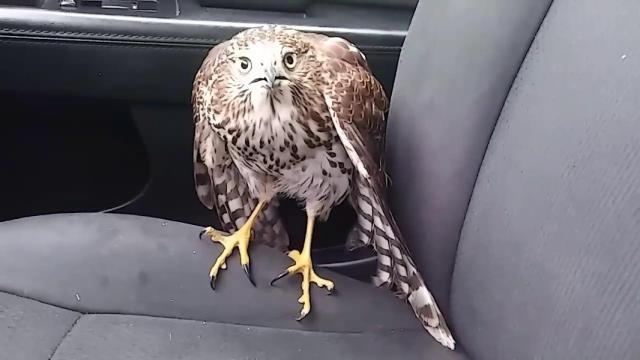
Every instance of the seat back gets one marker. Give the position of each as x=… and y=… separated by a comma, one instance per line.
x=548, y=260
x=548, y=264
x=457, y=64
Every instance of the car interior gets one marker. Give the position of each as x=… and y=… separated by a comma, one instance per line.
x=513, y=148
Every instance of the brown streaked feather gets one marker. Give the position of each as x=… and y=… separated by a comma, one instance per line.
x=358, y=107
x=217, y=179
x=365, y=102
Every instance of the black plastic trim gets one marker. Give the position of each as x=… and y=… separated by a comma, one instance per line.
x=201, y=28
x=154, y=59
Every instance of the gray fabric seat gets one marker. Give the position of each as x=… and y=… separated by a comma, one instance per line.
x=514, y=148
x=106, y=286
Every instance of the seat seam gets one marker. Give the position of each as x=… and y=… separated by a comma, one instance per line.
x=40, y=301
x=383, y=331
x=80, y=314
x=55, y=350
x=486, y=147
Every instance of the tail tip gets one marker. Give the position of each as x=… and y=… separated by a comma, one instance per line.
x=443, y=337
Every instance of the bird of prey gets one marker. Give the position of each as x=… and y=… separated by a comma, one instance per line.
x=282, y=112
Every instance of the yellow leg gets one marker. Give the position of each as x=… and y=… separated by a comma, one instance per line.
x=304, y=266
x=238, y=239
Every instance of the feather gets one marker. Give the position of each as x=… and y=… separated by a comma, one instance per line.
x=358, y=105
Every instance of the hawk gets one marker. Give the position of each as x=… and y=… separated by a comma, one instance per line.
x=281, y=112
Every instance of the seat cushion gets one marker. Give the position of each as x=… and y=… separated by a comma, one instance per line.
x=115, y=286
x=548, y=264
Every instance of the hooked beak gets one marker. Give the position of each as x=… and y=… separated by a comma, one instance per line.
x=269, y=79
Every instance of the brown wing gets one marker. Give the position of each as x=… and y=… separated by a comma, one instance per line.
x=219, y=184
x=358, y=107
x=358, y=104
x=365, y=99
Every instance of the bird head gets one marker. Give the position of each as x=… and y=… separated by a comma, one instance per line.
x=269, y=60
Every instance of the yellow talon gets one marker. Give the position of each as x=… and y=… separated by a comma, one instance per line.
x=239, y=239
x=304, y=266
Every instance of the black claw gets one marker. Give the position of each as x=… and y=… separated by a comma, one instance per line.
x=213, y=283
x=202, y=232
x=247, y=271
x=331, y=292
x=283, y=274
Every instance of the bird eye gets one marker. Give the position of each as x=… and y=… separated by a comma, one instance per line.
x=245, y=64
x=289, y=60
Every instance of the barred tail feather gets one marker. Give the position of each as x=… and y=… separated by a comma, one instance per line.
x=363, y=231
x=427, y=311
x=398, y=272
x=361, y=132
x=408, y=284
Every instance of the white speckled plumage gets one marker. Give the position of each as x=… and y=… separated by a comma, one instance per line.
x=312, y=178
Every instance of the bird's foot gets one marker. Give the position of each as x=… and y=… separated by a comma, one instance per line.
x=239, y=239
x=304, y=266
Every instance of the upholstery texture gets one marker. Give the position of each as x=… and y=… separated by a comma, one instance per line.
x=457, y=64
x=127, y=264
x=144, y=278
x=99, y=337
x=30, y=330
x=548, y=265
